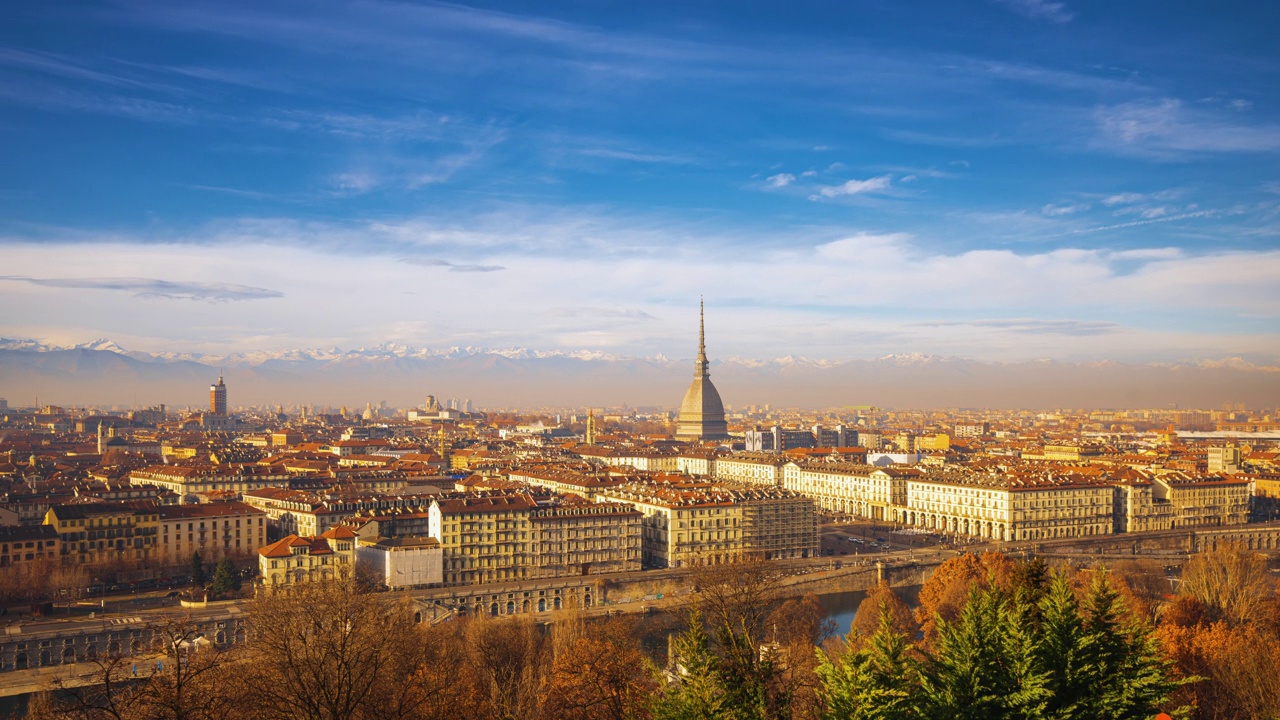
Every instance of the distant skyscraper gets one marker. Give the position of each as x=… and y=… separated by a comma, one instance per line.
x=218, y=398
x=702, y=412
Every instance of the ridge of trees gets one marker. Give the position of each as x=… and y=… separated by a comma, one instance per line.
x=993, y=637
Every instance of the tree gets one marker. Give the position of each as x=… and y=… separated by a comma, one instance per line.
x=947, y=591
x=596, y=678
x=695, y=693
x=882, y=598
x=197, y=569
x=875, y=682
x=509, y=658
x=738, y=599
x=183, y=679
x=225, y=578
x=1232, y=581
x=975, y=672
x=323, y=651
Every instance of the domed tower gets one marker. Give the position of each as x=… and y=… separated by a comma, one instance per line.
x=702, y=412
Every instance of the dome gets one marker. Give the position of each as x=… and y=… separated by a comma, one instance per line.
x=701, y=412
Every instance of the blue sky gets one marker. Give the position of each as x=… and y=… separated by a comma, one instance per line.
x=1004, y=179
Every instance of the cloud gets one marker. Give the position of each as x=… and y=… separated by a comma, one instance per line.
x=453, y=267
x=1052, y=210
x=1054, y=12
x=606, y=313
x=856, y=187
x=781, y=180
x=1031, y=326
x=1165, y=128
x=150, y=288
x=1139, y=223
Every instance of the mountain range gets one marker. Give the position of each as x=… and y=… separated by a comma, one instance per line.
x=104, y=373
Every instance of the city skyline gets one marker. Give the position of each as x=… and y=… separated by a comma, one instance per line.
x=1000, y=181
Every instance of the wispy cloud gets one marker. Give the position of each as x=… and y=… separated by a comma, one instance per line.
x=1057, y=210
x=856, y=187
x=609, y=313
x=1032, y=326
x=1166, y=128
x=1139, y=223
x=151, y=288
x=453, y=267
x=1055, y=12
x=781, y=180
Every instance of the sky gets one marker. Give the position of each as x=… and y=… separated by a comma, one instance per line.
x=991, y=179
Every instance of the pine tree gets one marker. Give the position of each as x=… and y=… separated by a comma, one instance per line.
x=969, y=677
x=1022, y=641
x=697, y=694
x=1134, y=680
x=197, y=569
x=225, y=578
x=873, y=683
x=1064, y=652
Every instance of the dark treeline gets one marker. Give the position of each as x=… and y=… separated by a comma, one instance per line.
x=992, y=638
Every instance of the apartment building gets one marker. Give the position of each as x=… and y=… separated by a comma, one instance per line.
x=850, y=488
x=1009, y=507
x=189, y=479
x=700, y=524
x=294, y=560
x=23, y=544
x=573, y=536
x=104, y=532
x=1204, y=501
x=483, y=538
x=215, y=530
x=565, y=481
x=750, y=469
x=306, y=513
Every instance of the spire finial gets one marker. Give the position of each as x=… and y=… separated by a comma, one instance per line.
x=700, y=366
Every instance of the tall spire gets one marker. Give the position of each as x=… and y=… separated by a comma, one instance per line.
x=701, y=365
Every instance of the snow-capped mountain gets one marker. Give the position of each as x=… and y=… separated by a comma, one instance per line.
x=102, y=371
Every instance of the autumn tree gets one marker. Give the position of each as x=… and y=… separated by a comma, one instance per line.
x=944, y=595
x=183, y=677
x=323, y=651
x=1231, y=581
x=882, y=598
x=508, y=658
x=599, y=676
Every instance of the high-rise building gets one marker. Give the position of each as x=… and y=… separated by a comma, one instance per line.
x=218, y=398
x=702, y=412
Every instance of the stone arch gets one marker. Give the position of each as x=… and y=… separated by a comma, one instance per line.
x=511, y=607
x=542, y=604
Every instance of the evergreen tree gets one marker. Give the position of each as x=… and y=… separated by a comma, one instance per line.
x=1133, y=678
x=697, y=694
x=1021, y=643
x=197, y=569
x=874, y=683
x=225, y=578
x=1065, y=653
x=968, y=677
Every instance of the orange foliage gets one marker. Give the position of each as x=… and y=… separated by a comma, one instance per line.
x=947, y=590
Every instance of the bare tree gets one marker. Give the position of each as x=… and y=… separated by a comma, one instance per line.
x=1232, y=581
x=509, y=658
x=323, y=651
